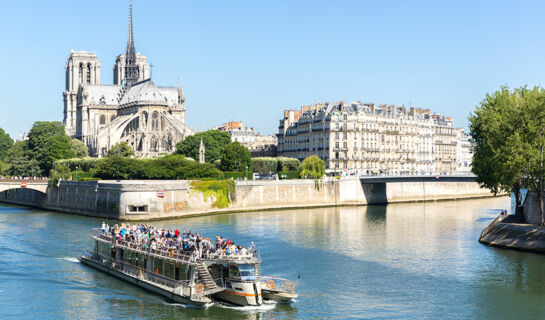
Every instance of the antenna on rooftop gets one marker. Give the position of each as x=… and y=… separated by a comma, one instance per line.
x=151, y=70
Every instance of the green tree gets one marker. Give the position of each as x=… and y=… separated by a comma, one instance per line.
x=55, y=148
x=508, y=131
x=214, y=141
x=5, y=143
x=3, y=167
x=41, y=132
x=313, y=167
x=22, y=166
x=118, y=167
x=80, y=148
x=236, y=157
x=18, y=150
x=48, y=142
x=122, y=149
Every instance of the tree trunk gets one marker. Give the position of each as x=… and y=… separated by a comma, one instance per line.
x=541, y=186
x=541, y=208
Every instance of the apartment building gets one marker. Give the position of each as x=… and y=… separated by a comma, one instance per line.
x=370, y=139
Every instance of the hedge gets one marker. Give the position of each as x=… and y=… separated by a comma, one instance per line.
x=289, y=164
x=237, y=175
x=84, y=164
x=273, y=165
x=264, y=164
x=293, y=174
x=167, y=167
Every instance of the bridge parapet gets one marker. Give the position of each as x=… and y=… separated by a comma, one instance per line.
x=417, y=178
x=37, y=185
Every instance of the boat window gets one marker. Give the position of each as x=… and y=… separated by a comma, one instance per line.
x=247, y=272
x=233, y=272
x=169, y=269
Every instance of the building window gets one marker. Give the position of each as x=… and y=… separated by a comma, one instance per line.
x=336, y=135
x=337, y=126
x=102, y=120
x=155, y=120
x=336, y=145
x=345, y=135
x=345, y=117
x=80, y=72
x=89, y=73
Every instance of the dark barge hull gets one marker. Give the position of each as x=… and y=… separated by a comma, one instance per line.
x=150, y=286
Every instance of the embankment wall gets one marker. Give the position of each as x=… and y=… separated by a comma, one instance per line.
x=149, y=199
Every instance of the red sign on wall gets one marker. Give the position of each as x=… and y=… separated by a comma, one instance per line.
x=23, y=184
x=160, y=194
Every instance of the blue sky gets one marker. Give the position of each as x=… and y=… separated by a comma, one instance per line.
x=250, y=60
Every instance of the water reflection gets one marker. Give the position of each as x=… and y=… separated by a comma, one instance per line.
x=416, y=260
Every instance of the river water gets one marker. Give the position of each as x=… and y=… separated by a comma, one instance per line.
x=416, y=260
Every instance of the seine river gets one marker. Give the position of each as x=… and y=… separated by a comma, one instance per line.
x=398, y=261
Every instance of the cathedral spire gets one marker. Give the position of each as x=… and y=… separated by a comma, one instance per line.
x=131, y=69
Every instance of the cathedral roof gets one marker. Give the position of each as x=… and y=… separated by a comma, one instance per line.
x=102, y=94
x=147, y=92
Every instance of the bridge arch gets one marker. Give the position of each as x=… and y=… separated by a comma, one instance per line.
x=40, y=187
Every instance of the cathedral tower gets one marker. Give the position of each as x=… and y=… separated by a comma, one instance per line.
x=132, y=73
x=82, y=68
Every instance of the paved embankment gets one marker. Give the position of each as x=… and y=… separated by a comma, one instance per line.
x=519, y=236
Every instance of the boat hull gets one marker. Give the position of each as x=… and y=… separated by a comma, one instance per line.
x=165, y=292
x=278, y=296
x=241, y=294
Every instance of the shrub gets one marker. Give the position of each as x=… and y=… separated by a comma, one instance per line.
x=264, y=165
x=293, y=174
x=83, y=164
x=288, y=164
x=237, y=175
x=167, y=167
x=221, y=190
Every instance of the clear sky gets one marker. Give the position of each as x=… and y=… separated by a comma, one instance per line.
x=250, y=60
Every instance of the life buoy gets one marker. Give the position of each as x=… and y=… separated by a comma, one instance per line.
x=171, y=254
x=270, y=284
x=140, y=274
x=200, y=288
x=157, y=270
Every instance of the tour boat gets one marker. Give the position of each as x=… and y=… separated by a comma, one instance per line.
x=234, y=279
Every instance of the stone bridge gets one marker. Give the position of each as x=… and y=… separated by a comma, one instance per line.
x=418, y=178
x=37, y=185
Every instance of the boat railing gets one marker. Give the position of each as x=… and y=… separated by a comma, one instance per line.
x=278, y=284
x=142, y=274
x=251, y=257
x=237, y=258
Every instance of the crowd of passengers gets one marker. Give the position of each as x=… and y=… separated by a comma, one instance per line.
x=174, y=242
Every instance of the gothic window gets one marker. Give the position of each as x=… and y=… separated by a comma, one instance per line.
x=102, y=120
x=145, y=119
x=155, y=121
x=89, y=73
x=81, y=72
x=112, y=118
x=165, y=145
x=153, y=144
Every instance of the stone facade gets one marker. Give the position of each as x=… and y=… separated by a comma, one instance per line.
x=148, y=117
x=258, y=145
x=370, y=139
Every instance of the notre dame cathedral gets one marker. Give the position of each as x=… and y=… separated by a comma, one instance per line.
x=150, y=118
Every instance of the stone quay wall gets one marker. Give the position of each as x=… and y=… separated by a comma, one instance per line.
x=157, y=199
